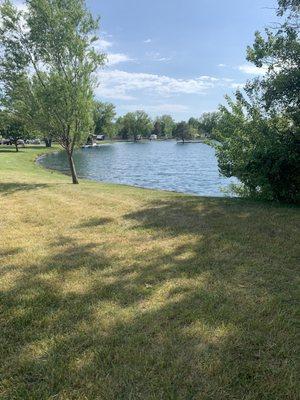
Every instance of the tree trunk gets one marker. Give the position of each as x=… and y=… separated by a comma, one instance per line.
x=48, y=142
x=16, y=145
x=72, y=168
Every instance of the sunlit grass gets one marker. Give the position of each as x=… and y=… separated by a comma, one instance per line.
x=113, y=292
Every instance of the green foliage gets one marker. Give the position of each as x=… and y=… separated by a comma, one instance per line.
x=182, y=131
x=157, y=128
x=208, y=122
x=167, y=124
x=13, y=128
x=280, y=52
x=259, y=133
x=193, y=123
x=289, y=5
x=261, y=152
x=104, y=115
x=134, y=124
x=47, y=68
x=186, y=130
x=194, y=127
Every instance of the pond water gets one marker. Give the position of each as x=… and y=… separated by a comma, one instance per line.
x=188, y=168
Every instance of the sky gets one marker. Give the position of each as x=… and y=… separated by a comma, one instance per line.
x=177, y=57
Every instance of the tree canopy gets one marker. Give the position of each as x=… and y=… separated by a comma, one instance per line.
x=13, y=128
x=47, y=68
x=134, y=124
x=104, y=118
x=259, y=132
x=166, y=125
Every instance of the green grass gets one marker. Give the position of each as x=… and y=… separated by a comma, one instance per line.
x=110, y=292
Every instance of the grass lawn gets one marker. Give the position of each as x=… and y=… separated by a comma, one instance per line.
x=110, y=292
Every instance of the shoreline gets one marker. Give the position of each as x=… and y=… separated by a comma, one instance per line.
x=66, y=173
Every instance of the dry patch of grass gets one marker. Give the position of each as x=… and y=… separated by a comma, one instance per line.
x=112, y=292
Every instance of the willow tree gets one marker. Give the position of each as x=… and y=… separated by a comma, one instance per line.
x=48, y=66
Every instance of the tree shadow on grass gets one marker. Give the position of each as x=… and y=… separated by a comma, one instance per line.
x=13, y=187
x=8, y=151
x=94, y=222
x=12, y=149
x=230, y=219
x=201, y=318
x=10, y=252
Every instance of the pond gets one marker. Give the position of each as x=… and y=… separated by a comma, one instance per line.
x=188, y=168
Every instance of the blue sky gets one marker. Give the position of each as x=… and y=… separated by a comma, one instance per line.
x=176, y=56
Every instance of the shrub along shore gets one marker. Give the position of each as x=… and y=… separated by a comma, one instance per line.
x=114, y=292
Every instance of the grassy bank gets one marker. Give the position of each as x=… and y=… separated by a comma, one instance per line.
x=109, y=292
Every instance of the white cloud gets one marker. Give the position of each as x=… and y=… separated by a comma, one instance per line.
x=119, y=84
x=155, y=56
x=114, y=93
x=102, y=44
x=162, y=59
x=117, y=58
x=252, y=69
x=148, y=41
x=208, y=78
x=222, y=65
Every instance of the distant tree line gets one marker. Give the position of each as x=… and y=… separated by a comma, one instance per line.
x=137, y=124
x=131, y=126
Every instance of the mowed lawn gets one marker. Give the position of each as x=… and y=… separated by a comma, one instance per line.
x=110, y=292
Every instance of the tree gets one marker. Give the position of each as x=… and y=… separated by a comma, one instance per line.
x=157, y=129
x=125, y=126
x=104, y=115
x=280, y=52
x=193, y=132
x=166, y=125
x=259, y=151
x=194, y=123
x=121, y=129
x=47, y=64
x=32, y=112
x=291, y=6
x=259, y=133
x=14, y=129
x=208, y=122
x=143, y=124
x=182, y=131
x=134, y=124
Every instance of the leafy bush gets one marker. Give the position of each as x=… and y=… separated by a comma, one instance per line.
x=259, y=133
x=263, y=153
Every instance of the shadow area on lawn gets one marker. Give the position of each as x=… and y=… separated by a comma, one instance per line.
x=94, y=222
x=10, y=252
x=194, y=315
x=12, y=149
x=13, y=187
